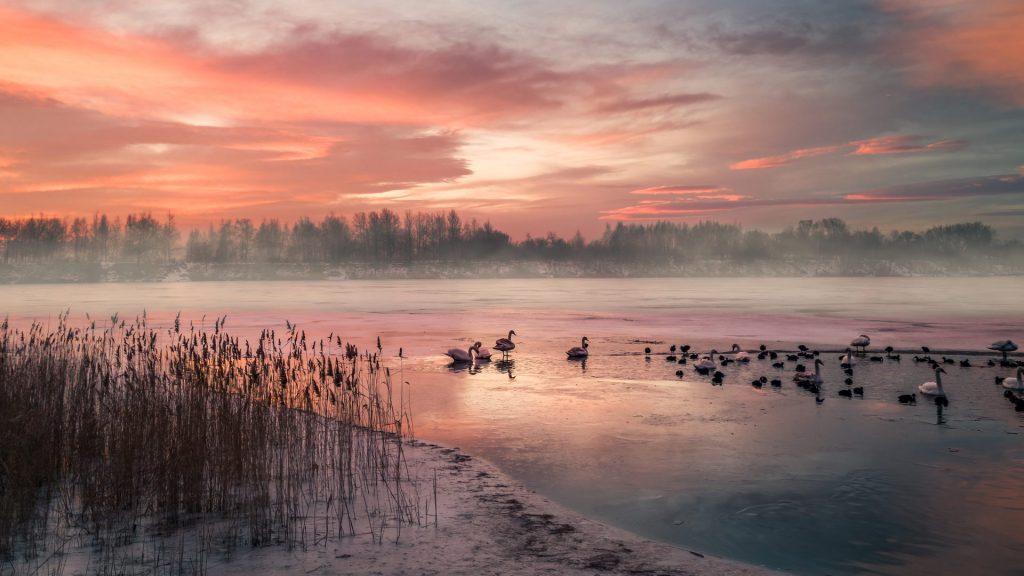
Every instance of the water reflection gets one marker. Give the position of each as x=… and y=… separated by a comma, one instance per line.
x=581, y=361
x=505, y=366
x=460, y=367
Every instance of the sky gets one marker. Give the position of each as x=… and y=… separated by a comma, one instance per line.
x=536, y=115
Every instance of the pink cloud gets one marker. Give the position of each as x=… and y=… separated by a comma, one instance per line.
x=782, y=159
x=676, y=190
x=976, y=45
x=899, y=144
x=66, y=159
x=902, y=145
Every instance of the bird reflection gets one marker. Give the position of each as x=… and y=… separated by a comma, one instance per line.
x=940, y=403
x=457, y=367
x=505, y=366
x=581, y=361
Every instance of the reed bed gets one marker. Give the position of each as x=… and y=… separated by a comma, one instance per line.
x=153, y=448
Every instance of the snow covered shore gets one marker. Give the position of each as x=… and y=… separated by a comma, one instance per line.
x=487, y=524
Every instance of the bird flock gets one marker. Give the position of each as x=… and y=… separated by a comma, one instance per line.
x=806, y=366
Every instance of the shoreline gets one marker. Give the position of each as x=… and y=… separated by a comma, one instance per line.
x=488, y=523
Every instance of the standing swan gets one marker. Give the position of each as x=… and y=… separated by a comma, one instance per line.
x=462, y=356
x=934, y=388
x=579, y=351
x=1015, y=383
x=862, y=342
x=505, y=345
x=1003, y=346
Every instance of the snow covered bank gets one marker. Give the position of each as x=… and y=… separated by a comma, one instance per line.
x=486, y=523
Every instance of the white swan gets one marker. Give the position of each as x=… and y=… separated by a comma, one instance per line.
x=706, y=363
x=482, y=354
x=1003, y=346
x=811, y=378
x=933, y=388
x=862, y=342
x=505, y=345
x=579, y=351
x=846, y=360
x=462, y=356
x=1015, y=383
x=739, y=355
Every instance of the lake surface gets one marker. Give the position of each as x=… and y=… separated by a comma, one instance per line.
x=769, y=476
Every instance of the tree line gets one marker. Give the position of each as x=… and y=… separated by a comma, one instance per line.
x=385, y=237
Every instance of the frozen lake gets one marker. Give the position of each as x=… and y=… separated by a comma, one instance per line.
x=769, y=476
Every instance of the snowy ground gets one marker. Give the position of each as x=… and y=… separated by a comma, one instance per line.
x=487, y=524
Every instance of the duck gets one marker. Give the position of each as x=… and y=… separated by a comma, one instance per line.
x=1015, y=383
x=862, y=342
x=776, y=383
x=579, y=351
x=933, y=388
x=739, y=355
x=907, y=398
x=858, y=391
x=846, y=393
x=505, y=345
x=459, y=356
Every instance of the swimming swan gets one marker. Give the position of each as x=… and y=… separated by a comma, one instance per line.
x=933, y=388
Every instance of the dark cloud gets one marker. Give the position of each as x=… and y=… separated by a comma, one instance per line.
x=665, y=101
x=998, y=185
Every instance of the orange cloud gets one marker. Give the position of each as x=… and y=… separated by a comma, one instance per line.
x=782, y=159
x=676, y=190
x=870, y=147
x=901, y=145
x=313, y=77
x=968, y=44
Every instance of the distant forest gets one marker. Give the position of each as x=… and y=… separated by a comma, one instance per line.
x=386, y=238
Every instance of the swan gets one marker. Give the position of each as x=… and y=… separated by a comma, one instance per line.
x=846, y=360
x=933, y=388
x=579, y=351
x=862, y=342
x=705, y=363
x=462, y=356
x=505, y=345
x=1003, y=346
x=739, y=355
x=811, y=378
x=483, y=355
x=1015, y=383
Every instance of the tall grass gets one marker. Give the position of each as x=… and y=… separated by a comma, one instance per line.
x=155, y=447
